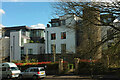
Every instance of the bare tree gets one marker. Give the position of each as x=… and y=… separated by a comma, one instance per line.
x=94, y=16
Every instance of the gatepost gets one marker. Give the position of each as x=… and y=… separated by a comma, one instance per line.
x=60, y=66
x=77, y=65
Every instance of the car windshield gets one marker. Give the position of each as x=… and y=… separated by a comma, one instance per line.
x=14, y=68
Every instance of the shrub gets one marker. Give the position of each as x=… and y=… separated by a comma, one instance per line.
x=94, y=68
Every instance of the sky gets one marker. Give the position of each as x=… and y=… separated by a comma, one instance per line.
x=26, y=13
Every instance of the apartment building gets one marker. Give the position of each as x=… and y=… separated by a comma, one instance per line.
x=63, y=37
x=35, y=49
x=60, y=39
x=18, y=37
x=4, y=49
x=20, y=41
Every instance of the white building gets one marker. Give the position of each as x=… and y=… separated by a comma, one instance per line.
x=19, y=36
x=59, y=38
x=5, y=47
x=34, y=48
x=17, y=41
x=1, y=26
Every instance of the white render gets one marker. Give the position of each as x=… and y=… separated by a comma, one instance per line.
x=70, y=40
x=0, y=33
x=15, y=43
x=4, y=47
x=38, y=48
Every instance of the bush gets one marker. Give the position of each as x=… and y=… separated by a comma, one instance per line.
x=91, y=68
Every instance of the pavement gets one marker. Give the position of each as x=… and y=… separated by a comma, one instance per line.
x=96, y=77
x=67, y=76
x=114, y=77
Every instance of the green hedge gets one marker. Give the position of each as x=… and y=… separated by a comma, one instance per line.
x=91, y=68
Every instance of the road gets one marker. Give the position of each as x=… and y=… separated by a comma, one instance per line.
x=53, y=77
x=81, y=78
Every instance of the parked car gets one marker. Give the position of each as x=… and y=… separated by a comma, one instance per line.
x=10, y=70
x=33, y=72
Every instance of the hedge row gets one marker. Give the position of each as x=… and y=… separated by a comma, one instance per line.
x=91, y=68
x=37, y=63
x=34, y=63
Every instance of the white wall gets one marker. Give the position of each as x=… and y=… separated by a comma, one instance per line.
x=0, y=33
x=35, y=47
x=5, y=46
x=69, y=41
x=69, y=19
x=15, y=43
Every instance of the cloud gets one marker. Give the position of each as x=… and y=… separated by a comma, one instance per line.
x=1, y=26
x=2, y=11
x=38, y=26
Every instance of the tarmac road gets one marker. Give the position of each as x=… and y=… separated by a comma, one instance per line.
x=98, y=77
x=61, y=78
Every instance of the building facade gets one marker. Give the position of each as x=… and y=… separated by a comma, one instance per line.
x=60, y=40
x=34, y=51
x=20, y=36
x=59, y=37
x=5, y=48
x=17, y=41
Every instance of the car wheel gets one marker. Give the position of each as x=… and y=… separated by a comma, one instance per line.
x=35, y=77
x=8, y=76
x=20, y=77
